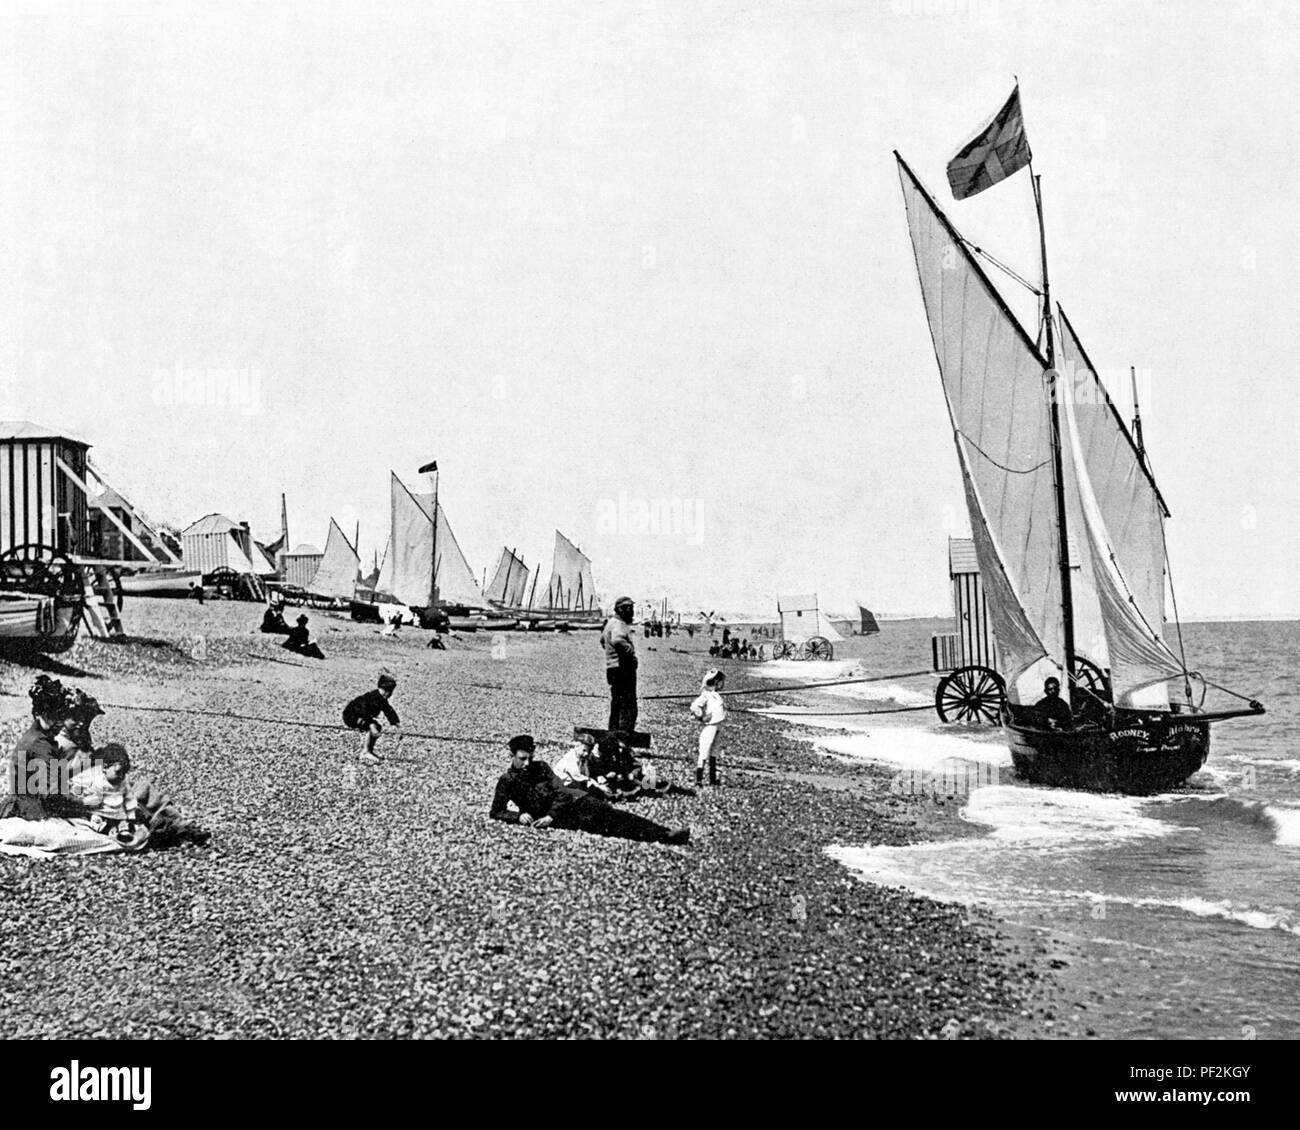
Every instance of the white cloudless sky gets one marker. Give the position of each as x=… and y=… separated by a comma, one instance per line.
x=585, y=254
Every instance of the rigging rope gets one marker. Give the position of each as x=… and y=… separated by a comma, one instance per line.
x=1000, y=466
x=1001, y=266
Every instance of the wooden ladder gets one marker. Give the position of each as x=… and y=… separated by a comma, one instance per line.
x=102, y=613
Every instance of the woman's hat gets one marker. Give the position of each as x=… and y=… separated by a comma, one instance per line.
x=711, y=676
x=49, y=697
x=386, y=680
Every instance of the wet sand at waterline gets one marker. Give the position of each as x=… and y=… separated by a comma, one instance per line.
x=340, y=900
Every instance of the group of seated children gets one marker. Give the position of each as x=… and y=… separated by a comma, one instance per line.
x=607, y=768
x=55, y=770
x=734, y=648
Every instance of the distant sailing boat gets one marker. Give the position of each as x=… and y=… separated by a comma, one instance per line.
x=570, y=595
x=1038, y=468
x=424, y=567
x=509, y=584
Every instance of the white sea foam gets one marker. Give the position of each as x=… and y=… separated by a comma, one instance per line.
x=1287, y=822
x=912, y=748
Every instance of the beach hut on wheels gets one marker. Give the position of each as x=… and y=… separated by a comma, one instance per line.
x=53, y=574
x=225, y=553
x=972, y=644
x=806, y=631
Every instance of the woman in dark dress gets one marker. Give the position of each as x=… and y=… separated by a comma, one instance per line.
x=33, y=771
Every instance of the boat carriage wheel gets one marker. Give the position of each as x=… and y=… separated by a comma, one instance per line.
x=971, y=694
x=226, y=581
x=41, y=570
x=1091, y=678
x=819, y=647
x=784, y=650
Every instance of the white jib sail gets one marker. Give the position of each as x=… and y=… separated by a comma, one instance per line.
x=1139, y=656
x=336, y=575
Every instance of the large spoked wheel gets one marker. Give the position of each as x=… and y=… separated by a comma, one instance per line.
x=784, y=650
x=226, y=581
x=818, y=648
x=1091, y=678
x=41, y=570
x=971, y=694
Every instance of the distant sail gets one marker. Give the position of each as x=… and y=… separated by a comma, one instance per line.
x=510, y=583
x=336, y=575
x=408, y=568
x=869, y=626
x=571, y=588
x=456, y=581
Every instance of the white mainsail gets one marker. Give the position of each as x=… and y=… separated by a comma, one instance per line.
x=571, y=587
x=993, y=380
x=336, y=575
x=510, y=582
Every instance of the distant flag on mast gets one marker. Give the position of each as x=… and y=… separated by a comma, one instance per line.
x=999, y=149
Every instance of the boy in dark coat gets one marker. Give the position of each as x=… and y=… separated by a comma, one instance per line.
x=363, y=713
x=543, y=801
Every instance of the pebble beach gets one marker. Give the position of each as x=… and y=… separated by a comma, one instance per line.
x=338, y=900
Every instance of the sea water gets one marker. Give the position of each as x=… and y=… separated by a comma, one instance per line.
x=1180, y=912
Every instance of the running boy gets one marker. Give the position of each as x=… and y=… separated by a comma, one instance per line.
x=363, y=712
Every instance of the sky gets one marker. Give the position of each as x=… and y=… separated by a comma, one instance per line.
x=605, y=259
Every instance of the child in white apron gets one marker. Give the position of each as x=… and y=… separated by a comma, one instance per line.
x=710, y=712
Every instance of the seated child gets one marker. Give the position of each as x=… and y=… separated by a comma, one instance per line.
x=102, y=792
x=574, y=766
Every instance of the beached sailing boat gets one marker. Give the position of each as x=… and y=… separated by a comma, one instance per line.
x=570, y=594
x=1045, y=457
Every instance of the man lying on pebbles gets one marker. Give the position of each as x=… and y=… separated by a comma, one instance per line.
x=543, y=801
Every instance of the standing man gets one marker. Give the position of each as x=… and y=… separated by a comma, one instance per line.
x=620, y=666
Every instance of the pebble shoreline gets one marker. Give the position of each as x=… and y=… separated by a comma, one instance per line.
x=344, y=901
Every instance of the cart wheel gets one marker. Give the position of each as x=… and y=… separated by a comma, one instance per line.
x=44, y=571
x=226, y=581
x=819, y=647
x=971, y=694
x=1092, y=678
x=784, y=650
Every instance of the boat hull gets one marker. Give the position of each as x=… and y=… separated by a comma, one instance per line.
x=1140, y=753
x=161, y=584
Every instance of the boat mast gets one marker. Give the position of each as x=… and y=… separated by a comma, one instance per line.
x=1137, y=418
x=1058, y=470
x=431, y=469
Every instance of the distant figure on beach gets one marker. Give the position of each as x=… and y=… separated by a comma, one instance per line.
x=1052, y=711
x=273, y=621
x=299, y=641
x=620, y=666
x=363, y=713
x=541, y=800
x=196, y=592
x=715, y=648
x=710, y=712
x=394, y=625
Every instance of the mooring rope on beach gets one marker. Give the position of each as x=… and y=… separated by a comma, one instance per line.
x=551, y=692
x=841, y=713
